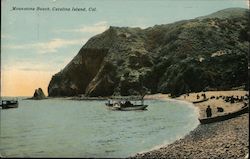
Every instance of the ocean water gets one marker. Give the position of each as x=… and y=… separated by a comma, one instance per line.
x=68, y=128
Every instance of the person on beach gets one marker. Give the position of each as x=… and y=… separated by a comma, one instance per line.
x=203, y=95
x=209, y=111
x=198, y=97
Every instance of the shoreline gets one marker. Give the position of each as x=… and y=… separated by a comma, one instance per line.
x=224, y=139
x=186, y=103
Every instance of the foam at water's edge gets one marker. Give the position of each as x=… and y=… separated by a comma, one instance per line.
x=189, y=104
x=165, y=143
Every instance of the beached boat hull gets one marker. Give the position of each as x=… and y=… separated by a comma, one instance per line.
x=224, y=117
x=200, y=101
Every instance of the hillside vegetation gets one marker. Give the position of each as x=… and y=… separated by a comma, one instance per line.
x=205, y=53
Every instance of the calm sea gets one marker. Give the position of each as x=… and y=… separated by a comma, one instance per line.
x=67, y=128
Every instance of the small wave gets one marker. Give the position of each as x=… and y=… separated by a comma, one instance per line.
x=105, y=141
x=40, y=152
x=1, y=156
x=164, y=144
x=109, y=151
x=191, y=105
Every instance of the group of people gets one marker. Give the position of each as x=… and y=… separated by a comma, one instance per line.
x=203, y=95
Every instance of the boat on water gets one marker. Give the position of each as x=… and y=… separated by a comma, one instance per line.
x=7, y=104
x=126, y=104
x=244, y=109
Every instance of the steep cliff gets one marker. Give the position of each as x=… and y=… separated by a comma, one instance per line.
x=192, y=55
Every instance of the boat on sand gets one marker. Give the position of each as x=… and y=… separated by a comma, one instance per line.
x=244, y=109
x=199, y=101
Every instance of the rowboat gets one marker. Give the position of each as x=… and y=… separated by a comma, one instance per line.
x=199, y=101
x=6, y=104
x=230, y=115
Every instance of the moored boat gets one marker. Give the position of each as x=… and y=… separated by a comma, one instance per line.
x=7, y=104
x=126, y=104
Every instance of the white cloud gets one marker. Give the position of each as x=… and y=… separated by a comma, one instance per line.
x=95, y=28
x=34, y=64
x=51, y=46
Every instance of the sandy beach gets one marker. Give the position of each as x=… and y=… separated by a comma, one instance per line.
x=224, y=139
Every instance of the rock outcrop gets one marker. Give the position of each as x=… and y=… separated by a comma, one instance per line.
x=208, y=52
x=38, y=94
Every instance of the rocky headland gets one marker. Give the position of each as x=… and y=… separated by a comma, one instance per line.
x=205, y=53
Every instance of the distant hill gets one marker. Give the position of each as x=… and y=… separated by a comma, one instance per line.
x=205, y=53
x=226, y=13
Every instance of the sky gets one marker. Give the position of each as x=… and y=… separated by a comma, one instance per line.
x=37, y=44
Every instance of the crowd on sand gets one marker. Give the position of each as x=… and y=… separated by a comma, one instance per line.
x=224, y=139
